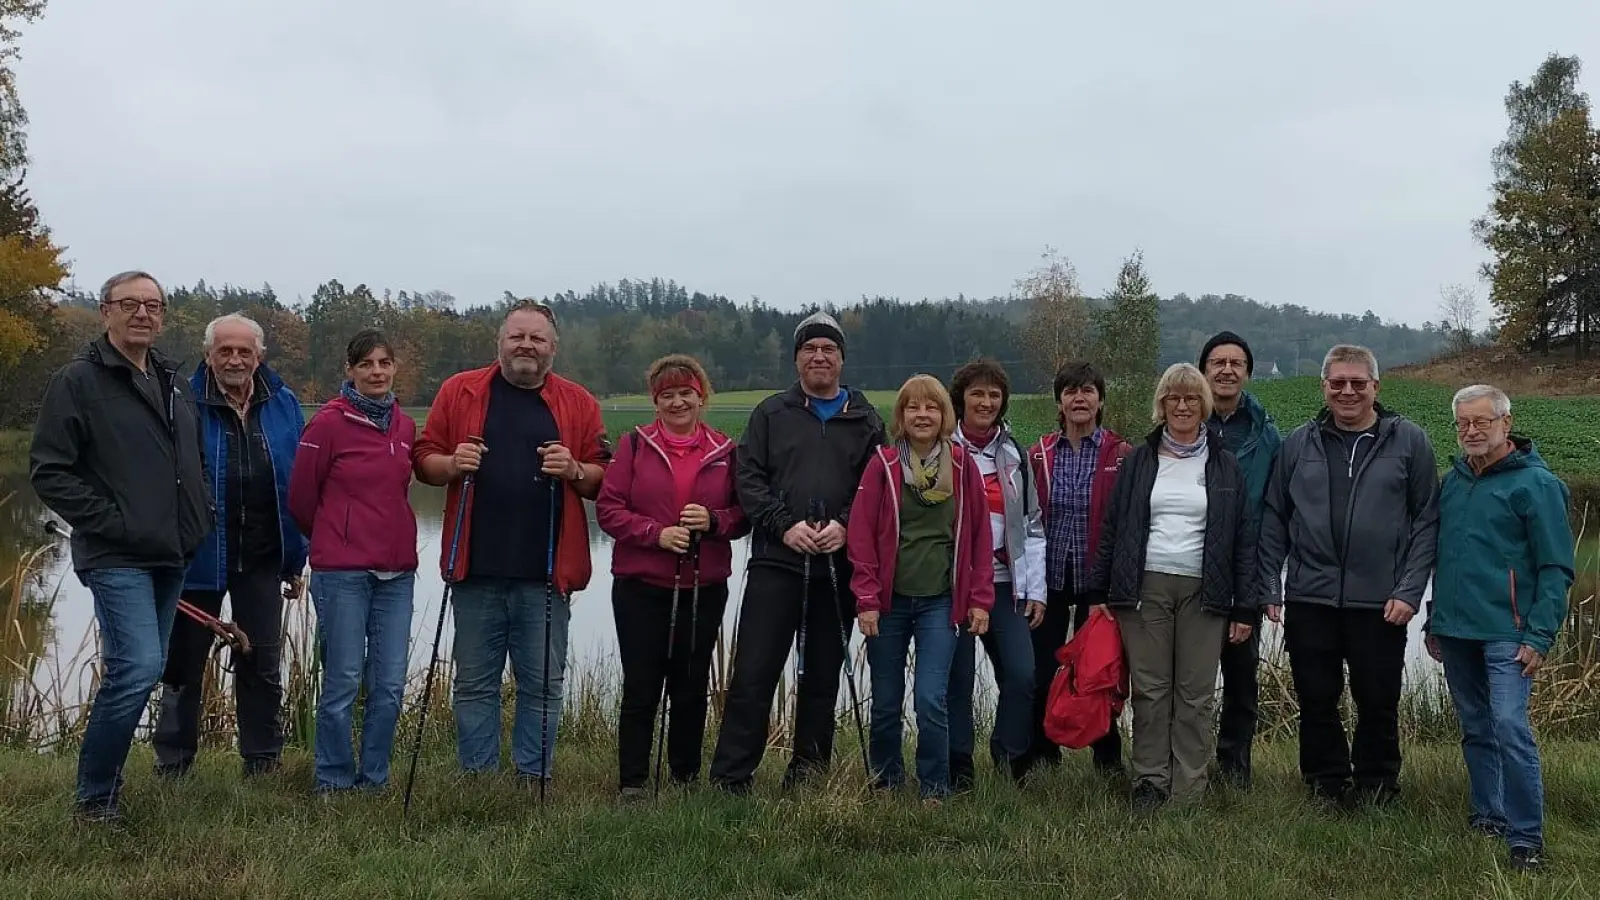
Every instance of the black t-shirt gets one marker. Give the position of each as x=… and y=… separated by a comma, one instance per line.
x=1346, y=451
x=511, y=504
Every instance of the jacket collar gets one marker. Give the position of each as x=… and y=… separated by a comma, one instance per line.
x=720, y=443
x=854, y=407
x=100, y=352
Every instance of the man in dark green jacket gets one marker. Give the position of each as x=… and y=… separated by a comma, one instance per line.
x=1499, y=598
x=1250, y=434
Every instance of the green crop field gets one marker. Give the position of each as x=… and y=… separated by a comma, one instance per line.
x=1566, y=430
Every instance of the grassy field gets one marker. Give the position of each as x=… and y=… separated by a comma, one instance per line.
x=1066, y=835
x=1566, y=430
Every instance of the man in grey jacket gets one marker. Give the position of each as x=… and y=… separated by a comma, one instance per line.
x=1352, y=506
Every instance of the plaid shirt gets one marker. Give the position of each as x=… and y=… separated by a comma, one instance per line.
x=1067, y=534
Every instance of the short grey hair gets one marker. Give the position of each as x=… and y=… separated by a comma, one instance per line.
x=1499, y=403
x=211, y=331
x=131, y=275
x=1350, y=353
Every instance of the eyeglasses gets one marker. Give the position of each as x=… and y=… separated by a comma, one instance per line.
x=1337, y=385
x=828, y=350
x=131, y=305
x=1480, y=423
x=1182, y=400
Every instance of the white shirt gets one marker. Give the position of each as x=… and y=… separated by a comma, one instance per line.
x=1176, y=545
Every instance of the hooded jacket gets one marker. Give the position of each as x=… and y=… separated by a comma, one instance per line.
x=1024, y=520
x=128, y=477
x=351, y=490
x=1505, y=552
x=281, y=422
x=789, y=461
x=637, y=501
x=873, y=541
x=1392, y=521
x=1257, y=452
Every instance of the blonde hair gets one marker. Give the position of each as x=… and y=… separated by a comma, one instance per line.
x=923, y=387
x=1181, y=378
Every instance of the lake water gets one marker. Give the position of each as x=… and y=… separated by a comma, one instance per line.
x=62, y=627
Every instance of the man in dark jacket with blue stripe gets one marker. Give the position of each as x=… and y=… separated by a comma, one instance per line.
x=251, y=423
x=1250, y=434
x=1352, y=506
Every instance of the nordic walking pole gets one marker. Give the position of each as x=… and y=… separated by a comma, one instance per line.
x=666, y=681
x=844, y=637
x=544, y=683
x=438, y=631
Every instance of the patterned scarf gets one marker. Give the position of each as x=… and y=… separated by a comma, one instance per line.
x=380, y=411
x=930, y=479
x=1183, y=451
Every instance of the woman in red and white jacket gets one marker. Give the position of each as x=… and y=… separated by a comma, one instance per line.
x=349, y=492
x=670, y=504
x=920, y=544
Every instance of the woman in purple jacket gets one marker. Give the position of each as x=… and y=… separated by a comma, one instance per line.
x=349, y=492
x=669, y=502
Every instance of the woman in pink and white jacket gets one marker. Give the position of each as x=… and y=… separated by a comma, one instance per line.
x=670, y=503
x=920, y=544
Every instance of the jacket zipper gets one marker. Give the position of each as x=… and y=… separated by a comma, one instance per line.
x=1516, y=617
x=1350, y=504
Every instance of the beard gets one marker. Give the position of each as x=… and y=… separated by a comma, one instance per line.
x=524, y=371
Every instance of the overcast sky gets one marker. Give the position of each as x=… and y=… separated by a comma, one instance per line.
x=1331, y=154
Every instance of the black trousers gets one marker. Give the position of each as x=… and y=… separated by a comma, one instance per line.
x=1064, y=609
x=1236, y=729
x=258, y=679
x=769, y=618
x=644, y=617
x=1321, y=640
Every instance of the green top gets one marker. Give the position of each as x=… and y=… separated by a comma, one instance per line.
x=927, y=540
x=1505, y=552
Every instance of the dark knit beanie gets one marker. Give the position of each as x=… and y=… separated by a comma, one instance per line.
x=818, y=325
x=1228, y=337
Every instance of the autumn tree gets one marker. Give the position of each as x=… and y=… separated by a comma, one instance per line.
x=1057, y=328
x=1543, y=226
x=1129, y=339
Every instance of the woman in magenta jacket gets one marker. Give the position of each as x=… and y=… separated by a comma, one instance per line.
x=669, y=503
x=920, y=544
x=348, y=491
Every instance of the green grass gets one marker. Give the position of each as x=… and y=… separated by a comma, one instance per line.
x=1067, y=835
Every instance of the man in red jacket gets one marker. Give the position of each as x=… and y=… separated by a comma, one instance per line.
x=536, y=447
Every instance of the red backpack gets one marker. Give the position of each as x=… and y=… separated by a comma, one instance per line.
x=1090, y=687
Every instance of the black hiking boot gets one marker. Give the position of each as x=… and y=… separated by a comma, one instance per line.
x=1146, y=798
x=1526, y=859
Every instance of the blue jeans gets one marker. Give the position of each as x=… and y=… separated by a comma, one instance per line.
x=134, y=609
x=1009, y=644
x=1491, y=699
x=364, y=626
x=927, y=619
x=496, y=618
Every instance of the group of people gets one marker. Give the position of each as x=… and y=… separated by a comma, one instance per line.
x=937, y=527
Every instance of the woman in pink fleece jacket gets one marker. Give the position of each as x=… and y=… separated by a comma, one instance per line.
x=920, y=544
x=669, y=502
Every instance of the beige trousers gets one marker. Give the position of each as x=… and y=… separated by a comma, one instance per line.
x=1174, y=648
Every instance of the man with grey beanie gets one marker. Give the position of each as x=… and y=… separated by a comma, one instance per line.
x=799, y=462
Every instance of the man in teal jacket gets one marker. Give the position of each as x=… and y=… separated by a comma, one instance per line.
x=1499, y=597
x=1250, y=434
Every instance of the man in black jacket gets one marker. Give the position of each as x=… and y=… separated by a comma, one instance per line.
x=800, y=461
x=117, y=454
x=1352, y=506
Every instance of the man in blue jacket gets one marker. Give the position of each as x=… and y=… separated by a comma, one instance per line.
x=251, y=423
x=1499, y=598
x=1250, y=434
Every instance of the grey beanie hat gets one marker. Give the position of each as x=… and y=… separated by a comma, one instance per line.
x=818, y=325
